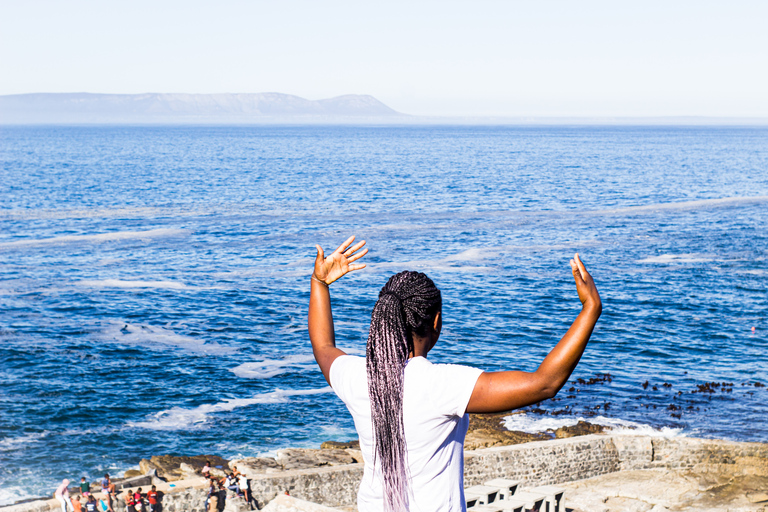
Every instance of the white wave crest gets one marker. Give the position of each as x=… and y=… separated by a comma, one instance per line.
x=139, y=211
x=13, y=443
x=178, y=418
x=121, y=283
x=101, y=237
x=10, y=494
x=677, y=258
x=272, y=367
x=155, y=337
x=532, y=424
x=683, y=205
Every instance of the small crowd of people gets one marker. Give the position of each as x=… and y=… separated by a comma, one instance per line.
x=135, y=501
x=234, y=481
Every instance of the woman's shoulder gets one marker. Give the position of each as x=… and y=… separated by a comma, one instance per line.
x=347, y=373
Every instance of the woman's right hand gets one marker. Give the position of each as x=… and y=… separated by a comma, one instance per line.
x=339, y=262
x=585, y=286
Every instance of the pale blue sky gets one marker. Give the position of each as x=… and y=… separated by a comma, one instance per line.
x=535, y=58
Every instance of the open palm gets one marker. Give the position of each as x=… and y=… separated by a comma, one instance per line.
x=339, y=262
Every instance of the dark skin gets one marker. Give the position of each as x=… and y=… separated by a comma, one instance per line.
x=494, y=391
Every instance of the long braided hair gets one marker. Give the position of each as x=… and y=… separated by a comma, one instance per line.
x=407, y=305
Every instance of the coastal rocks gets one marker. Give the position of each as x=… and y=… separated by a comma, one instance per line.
x=132, y=473
x=255, y=465
x=169, y=467
x=336, y=445
x=486, y=430
x=296, y=458
x=136, y=481
x=582, y=428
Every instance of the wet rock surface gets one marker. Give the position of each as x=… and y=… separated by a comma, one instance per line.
x=582, y=428
x=486, y=430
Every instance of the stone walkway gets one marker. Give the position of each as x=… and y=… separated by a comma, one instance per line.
x=708, y=489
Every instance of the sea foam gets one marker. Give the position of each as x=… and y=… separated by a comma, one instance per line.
x=14, y=443
x=272, y=367
x=121, y=283
x=676, y=258
x=178, y=418
x=532, y=424
x=101, y=237
x=155, y=337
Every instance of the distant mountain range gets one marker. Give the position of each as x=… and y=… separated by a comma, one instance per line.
x=87, y=108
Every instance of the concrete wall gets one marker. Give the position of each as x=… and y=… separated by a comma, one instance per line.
x=537, y=463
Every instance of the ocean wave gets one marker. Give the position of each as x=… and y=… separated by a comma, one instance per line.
x=272, y=367
x=532, y=424
x=13, y=493
x=120, y=283
x=14, y=443
x=683, y=205
x=151, y=336
x=676, y=258
x=101, y=237
x=178, y=418
x=138, y=212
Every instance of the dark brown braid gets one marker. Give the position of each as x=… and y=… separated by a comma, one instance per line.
x=407, y=305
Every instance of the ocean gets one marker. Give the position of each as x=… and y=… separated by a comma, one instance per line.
x=154, y=281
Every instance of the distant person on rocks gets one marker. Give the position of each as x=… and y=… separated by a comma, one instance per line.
x=154, y=505
x=138, y=501
x=105, y=482
x=85, y=487
x=77, y=505
x=410, y=414
x=110, y=490
x=231, y=483
x=62, y=494
x=245, y=489
x=207, y=469
x=91, y=505
x=130, y=503
x=222, y=495
x=213, y=499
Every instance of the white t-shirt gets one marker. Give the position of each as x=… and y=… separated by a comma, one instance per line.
x=435, y=399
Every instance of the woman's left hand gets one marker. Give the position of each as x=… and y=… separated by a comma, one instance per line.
x=339, y=262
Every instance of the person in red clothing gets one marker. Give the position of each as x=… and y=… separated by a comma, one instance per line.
x=152, y=498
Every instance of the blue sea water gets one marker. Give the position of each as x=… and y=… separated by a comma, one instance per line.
x=154, y=280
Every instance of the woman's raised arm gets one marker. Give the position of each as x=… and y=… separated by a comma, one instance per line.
x=504, y=391
x=327, y=270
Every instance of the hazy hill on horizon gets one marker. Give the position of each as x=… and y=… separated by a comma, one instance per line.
x=73, y=108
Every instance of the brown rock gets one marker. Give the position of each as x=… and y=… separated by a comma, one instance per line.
x=146, y=466
x=168, y=466
x=302, y=458
x=582, y=428
x=486, y=430
x=255, y=465
x=132, y=473
x=335, y=445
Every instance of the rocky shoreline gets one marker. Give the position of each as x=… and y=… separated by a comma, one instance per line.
x=485, y=431
x=615, y=471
